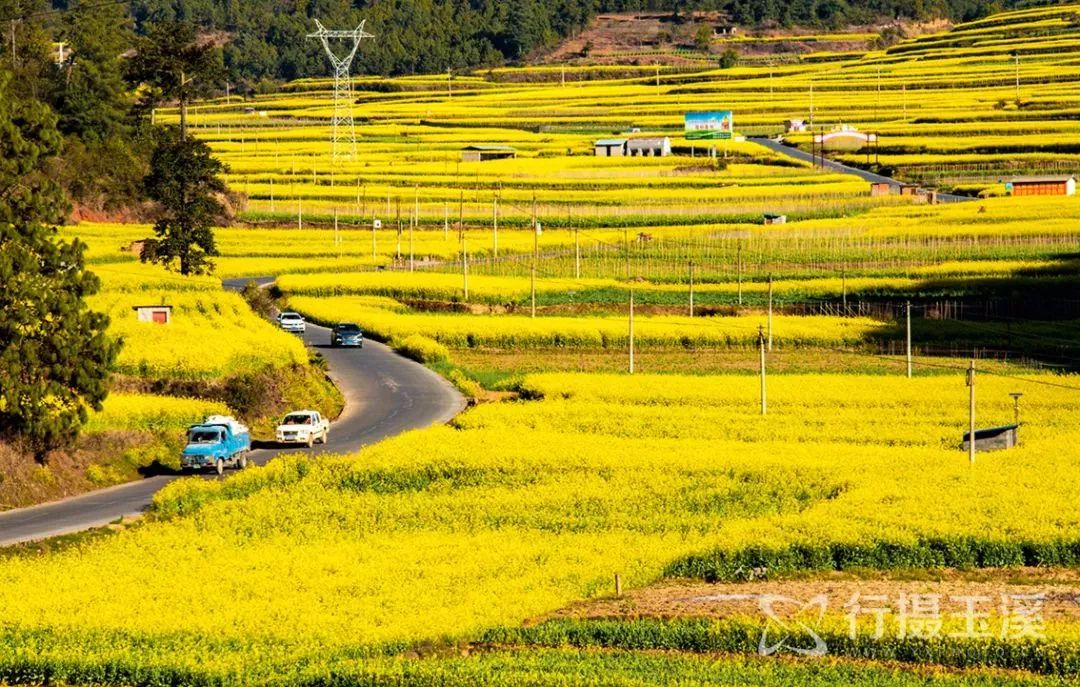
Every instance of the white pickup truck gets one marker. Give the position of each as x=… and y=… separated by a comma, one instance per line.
x=306, y=427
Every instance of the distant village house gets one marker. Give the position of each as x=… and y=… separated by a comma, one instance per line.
x=484, y=153
x=610, y=147
x=1043, y=186
x=649, y=147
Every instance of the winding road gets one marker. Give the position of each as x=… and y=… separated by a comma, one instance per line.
x=833, y=165
x=385, y=394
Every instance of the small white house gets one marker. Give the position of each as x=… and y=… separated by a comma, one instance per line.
x=158, y=314
x=649, y=147
x=610, y=147
x=794, y=125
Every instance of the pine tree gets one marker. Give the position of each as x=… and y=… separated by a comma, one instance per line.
x=55, y=356
x=184, y=181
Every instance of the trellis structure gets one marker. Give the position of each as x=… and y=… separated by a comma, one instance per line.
x=343, y=135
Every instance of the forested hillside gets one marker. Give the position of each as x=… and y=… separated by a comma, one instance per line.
x=265, y=39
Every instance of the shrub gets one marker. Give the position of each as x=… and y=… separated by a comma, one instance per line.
x=421, y=349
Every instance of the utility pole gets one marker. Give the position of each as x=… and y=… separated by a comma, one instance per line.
x=971, y=411
x=374, y=226
x=271, y=194
x=843, y=289
x=412, y=255
x=691, y=270
x=1015, y=395
x=770, y=311
x=536, y=232
x=811, y=106
x=631, y=330
x=532, y=291
x=461, y=217
x=577, y=254
x=465, y=268
x=1017, y=56
x=738, y=250
x=495, y=225
x=761, y=366
x=397, y=207
x=908, y=346
x=183, y=105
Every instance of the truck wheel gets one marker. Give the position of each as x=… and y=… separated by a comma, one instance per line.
x=243, y=461
x=220, y=465
x=310, y=440
x=322, y=439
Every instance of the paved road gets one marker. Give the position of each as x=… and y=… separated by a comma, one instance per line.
x=385, y=395
x=835, y=166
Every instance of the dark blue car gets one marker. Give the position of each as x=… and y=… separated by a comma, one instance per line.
x=346, y=334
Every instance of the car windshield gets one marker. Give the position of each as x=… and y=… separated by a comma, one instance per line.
x=348, y=329
x=291, y=316
x=205, y=436
x=297, y=420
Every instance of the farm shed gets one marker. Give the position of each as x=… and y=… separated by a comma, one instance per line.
x=1043, y=186
x=794, y=125
x=484, y=153
x=772, y=218
x=880, y=188
x=610, y=147
x=649, y=147
x=909, y=190
x=158, y=314
x=994, y=438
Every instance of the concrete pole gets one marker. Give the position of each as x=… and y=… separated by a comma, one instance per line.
x=374, y=251
x=532, y=290
x=971, y=411
x=495, y=226
x=577, y=254
x=761, y=367
x=908, y=346
x=691, y=269
x=770, y=311
x=739, y=251
x=465, y=268
x=271, y=194
x=631, y=330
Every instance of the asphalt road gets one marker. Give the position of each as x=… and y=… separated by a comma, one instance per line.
x=835, y=166
x=385, y=394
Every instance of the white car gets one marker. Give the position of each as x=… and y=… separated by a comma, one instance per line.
x=292, y=322
x=306, y=427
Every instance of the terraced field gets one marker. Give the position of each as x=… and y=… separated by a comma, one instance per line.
x=583, y=525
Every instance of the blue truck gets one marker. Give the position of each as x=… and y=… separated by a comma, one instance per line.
x=217, y=443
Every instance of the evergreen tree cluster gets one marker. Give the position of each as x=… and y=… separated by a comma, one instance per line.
x=265, y=40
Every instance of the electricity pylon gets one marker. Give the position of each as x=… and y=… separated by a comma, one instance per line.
x=344, y=132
